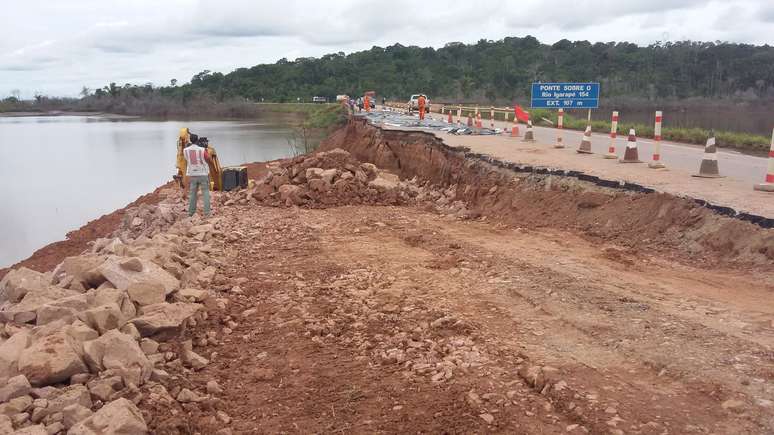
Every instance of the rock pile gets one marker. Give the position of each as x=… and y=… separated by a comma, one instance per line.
x=83, y=345
x=330, y=178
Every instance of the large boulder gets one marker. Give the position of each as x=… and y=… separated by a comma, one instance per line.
x=164, y=318
x=17, y=386
x=82, y=269
x=291, y=194
x=118, y=297
x=146, y=293
x=52, y=359
x=25, y=311
x=16, y=283
x=10, y=350
x=62, y=398
x=120, y=353
x=122, y=277
x=103, y=318
x=117, y=417
x=65, y=308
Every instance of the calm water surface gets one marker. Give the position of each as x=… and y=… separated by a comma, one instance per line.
x=57, y=173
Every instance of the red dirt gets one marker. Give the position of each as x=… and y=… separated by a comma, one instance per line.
x=654, y=222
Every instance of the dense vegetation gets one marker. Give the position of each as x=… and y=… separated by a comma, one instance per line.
x=488, y=72
x=502, y=70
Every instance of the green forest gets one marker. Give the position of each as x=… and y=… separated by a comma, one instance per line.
x=500, y=71
x=497, y=72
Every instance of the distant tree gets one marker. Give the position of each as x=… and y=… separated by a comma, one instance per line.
x=173, y=82
x=85, y=92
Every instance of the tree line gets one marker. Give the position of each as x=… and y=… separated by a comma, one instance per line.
x=487, y=72
x=501, y=71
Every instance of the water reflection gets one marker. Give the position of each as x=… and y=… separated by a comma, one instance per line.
x=57, y=173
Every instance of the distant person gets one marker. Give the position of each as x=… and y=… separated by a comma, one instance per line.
x=198, y=173
x=367, y=103
x=421, y=101
x=359, y=104
x=384, y=102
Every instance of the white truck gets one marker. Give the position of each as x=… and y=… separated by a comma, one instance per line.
x=413, y=102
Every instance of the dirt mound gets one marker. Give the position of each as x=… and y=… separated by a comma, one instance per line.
x=638, y=220
x=327, y=179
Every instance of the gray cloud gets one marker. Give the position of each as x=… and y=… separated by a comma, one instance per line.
x=57, y=47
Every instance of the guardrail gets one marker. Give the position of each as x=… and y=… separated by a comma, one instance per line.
x=487, y=113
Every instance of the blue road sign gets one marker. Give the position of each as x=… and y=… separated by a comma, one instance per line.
x=565, y=95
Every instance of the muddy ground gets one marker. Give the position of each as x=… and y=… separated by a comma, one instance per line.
x=470, y=312
x=372, y=319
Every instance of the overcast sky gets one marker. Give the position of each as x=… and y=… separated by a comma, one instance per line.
x=56, y=47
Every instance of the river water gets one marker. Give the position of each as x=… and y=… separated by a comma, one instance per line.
x=59, y=172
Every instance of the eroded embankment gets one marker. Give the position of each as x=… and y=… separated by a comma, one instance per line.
x=628, y=215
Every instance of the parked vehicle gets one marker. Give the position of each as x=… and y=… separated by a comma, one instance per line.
x=319, y=99
x=413, y=102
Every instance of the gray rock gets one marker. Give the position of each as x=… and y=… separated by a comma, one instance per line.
x=120, y=416
x=16, y=406
x=122, y=278
x=15, y=387
x=146, y=293
x=68, y=396
x=103, y=388
x=213, y=388
x=75, y=413
x=10, y=350
x=6, y=426
x=37, y=429
x=120, y=353
x=18, y=282
x=132, y=264
x=118, y=297
x=54, y=428
x=164, y=318
x=188, y=396
x=52, y=359
x=103, y=318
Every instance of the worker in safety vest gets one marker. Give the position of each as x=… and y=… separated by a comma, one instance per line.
x=421, y=103
x=367, y=103
x=197, y=161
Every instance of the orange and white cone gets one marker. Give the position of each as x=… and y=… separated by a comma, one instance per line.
x=449, y=119
x=459, y=116
x=613, y=135
x=515, y=129
x=478, y=119
x=656, y=163
x=709, y=162
x=585, y=145
x=768, y=185
x=559, y=126
x=491, y=118
x=470, y=120
x=529, y=136
x=630, y=155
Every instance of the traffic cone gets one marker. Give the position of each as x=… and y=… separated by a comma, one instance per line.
x=559, y=126
x=630, y=155
x=768, y=185
x=613, y=134
x=478, y=120
x=709, y=163
x=449, y=119
x=515, y=129
x=528, y=135
x=470, y=121
x=585, y=145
